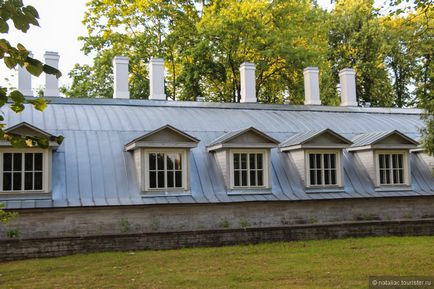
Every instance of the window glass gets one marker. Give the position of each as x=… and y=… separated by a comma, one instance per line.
x=248, y=170
x=322, y=169
x=391, y=169
x=22, y=171
x=165, y=170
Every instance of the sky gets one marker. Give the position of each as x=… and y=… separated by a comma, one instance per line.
x=60, y=26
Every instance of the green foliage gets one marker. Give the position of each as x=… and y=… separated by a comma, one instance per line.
x=5, y=216
x=22, y=18
x=204, y=43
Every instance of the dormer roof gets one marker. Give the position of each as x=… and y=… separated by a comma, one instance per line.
x=28, y=130
x=165, y=136
x=393, y=139
x=324, y=138
x=243, y=138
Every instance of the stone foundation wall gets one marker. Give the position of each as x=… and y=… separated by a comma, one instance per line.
x=73, y=222
x=49, y=247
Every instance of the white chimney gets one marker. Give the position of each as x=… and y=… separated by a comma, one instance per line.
x=156, y=79
x=120, y=76
x=248, y=82
x=347, y=78
x=311, y=86
x=25, y=80
x=51, y=82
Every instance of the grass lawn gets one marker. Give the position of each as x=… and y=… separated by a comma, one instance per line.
x=322, y=264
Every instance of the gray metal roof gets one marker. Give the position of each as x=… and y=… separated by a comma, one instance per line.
x=373, y=137
x=91, y=168
x=303, y=137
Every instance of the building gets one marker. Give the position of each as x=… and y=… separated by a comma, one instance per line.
x=137, y=166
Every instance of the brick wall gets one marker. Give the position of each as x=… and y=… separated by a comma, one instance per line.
x=48, y=247
x=72, y=222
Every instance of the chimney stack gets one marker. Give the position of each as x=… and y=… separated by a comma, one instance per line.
x=120, y=76
x=51, y=82
x=347, y=77
x=25, y=80
x=248, y=82
x=311, y=86
x=156, y=79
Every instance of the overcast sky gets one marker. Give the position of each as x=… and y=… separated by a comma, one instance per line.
x=60, y=25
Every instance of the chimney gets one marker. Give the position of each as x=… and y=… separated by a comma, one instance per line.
x=156, y=79
x=51, y=82
x=347, y=78
x=120, y=76
x=248, y=82
x=25, y=80
x=311, y=86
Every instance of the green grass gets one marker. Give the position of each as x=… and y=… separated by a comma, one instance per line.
x=343, y=263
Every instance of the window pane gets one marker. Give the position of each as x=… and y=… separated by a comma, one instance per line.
x=252, y=159
x=326, y=177
x=7, y=181
x=178, y=179
x=38, y=161
x=382, y=177
x=38, y=181
x=318, y=177
x=387, y=173
x=7, y=162
x=387, y=161
x=333, y=160
x=394, y=161
x=395, y=176
x=237, y=178
x=400, y=160
x=17, y=162
x=259, y=161
x=17, y=181
x=236, y=161
x=28, y=181
x=160, y=161
x=312, y=177
x=312, y=161
x=252, y=178
x=326, y=161
x=170, y=182
x=260, y=178
x=318, y=161
x=28, y=162
x=401, y=176
x=170, y=161
x=244, y=178
x=178, y=162
x=244, y=161
x=333, y=177
x=381, y=161
x=152, y=159
x=152, y=179
x=160, y=183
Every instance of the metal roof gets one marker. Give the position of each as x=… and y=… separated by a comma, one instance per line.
x=376, y=136
x=304, y=137
x=91, y=168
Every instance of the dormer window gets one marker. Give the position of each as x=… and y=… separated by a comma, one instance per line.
x=162, y=159
x=317, y=157
x=385, y=156
x=26, y=170
x=243, y=157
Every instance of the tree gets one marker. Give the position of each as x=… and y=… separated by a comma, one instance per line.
x=356, y=40
x=22, y=17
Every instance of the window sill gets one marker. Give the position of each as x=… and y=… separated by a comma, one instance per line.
x=32, y=195
x=248, y=191
x=403, y=188
x=153, y=194
x=318, y=190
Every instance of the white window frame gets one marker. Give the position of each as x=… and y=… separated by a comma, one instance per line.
x=46, y=170
x=265, y=164
x=406, y=167
x=184, y=167
x=339, y=182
